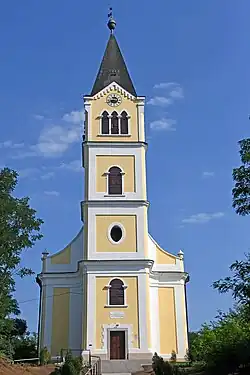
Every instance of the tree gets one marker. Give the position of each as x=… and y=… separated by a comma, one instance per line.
x=224, y=344
x=238, y=283
x=241, y=176
x=19, y=230
x=25, y=346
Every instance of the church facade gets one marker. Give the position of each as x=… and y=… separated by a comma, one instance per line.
x=113, y=289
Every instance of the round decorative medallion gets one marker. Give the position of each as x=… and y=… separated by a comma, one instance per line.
x=114, y=100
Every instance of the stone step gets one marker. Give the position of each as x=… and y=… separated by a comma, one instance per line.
x=123, y=366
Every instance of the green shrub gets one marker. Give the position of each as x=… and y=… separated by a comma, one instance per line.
x=72, y=365
x=162, y=367
x=68, y=368
x=173, y=356
x=45, y=356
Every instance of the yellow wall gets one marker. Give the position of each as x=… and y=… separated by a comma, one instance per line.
x=162, y=257
x=126, y=162
x=167, y=317
x=129, y=244
x=63, y=257
x=99, y=105
x=130, y=312
x=60, y=320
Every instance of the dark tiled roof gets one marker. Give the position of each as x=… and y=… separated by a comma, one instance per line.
x=113, y=68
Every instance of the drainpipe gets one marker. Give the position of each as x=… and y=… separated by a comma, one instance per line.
x=185, y=291
x=39, y=318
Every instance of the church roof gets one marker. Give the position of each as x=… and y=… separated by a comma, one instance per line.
x=113, y=69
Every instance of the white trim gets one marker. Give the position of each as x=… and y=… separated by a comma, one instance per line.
x=109, y=211
x=91, y=311
x=142, y=307
x=88, y=125
x=141, y=125
x=114, y=135
x=113, y=86
x=118, y=327
x=115, y=306
x=139, y=172
x=154, y=319
x=181, y=333
x=47, y=333
x=123, y=230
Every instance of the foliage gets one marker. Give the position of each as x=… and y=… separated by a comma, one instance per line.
x=239, y=283
x=19, y=230
x=162, y=367
x=25, y=347
x=241, y=176
x=224, y=344
x=173, y=356
x=72, y=365
x=45, y=356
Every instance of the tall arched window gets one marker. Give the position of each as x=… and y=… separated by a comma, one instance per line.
x=105, y=123
x=116, y=292
x=124, y=123
x=114, y=123
x=115, y=181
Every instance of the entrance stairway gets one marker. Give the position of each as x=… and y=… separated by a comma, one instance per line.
x=126, y=367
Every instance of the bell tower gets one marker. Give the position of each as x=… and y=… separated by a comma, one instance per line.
x=114, y=148
x=115, y=207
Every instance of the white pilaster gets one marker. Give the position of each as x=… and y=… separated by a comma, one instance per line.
x=141, y=127
x=91, y=310
x=47, y=334
x=88, y=123
x=154, y=319
x=142, y=306
x=181, y=331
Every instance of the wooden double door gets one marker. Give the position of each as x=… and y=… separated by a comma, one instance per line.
x=117, y=345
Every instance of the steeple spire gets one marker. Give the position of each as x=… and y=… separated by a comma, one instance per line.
x=113, y=67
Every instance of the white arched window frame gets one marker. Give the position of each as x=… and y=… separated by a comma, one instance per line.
x=107, y=173
x=107, y=287
x=119, y=125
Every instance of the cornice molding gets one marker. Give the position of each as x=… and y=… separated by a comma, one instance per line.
x=114, y=86
x=115, y=203
x=108, y=144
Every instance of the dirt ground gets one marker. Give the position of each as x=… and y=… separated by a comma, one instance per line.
x=9, y=369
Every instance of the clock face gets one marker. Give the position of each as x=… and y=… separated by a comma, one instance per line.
x=114, y=100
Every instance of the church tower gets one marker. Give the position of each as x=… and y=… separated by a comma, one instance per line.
x=113, y=289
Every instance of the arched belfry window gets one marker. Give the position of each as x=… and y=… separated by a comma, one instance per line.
x=116, y=292
x=105, y=123
x=114, y=123
x=115, y=181
x=124, y=123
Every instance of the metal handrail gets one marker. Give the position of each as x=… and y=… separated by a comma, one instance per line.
x=95, y=367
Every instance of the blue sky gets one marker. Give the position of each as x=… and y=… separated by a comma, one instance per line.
x=191, y=60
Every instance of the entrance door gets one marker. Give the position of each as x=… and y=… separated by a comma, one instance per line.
x=117, y=345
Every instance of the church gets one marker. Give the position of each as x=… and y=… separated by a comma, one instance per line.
x=113, y=290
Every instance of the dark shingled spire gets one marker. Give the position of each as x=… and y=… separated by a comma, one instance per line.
x=113, y=68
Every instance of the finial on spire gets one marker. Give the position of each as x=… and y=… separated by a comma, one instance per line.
x=111, y=22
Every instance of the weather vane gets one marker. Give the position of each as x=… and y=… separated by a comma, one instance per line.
x=111, y=22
